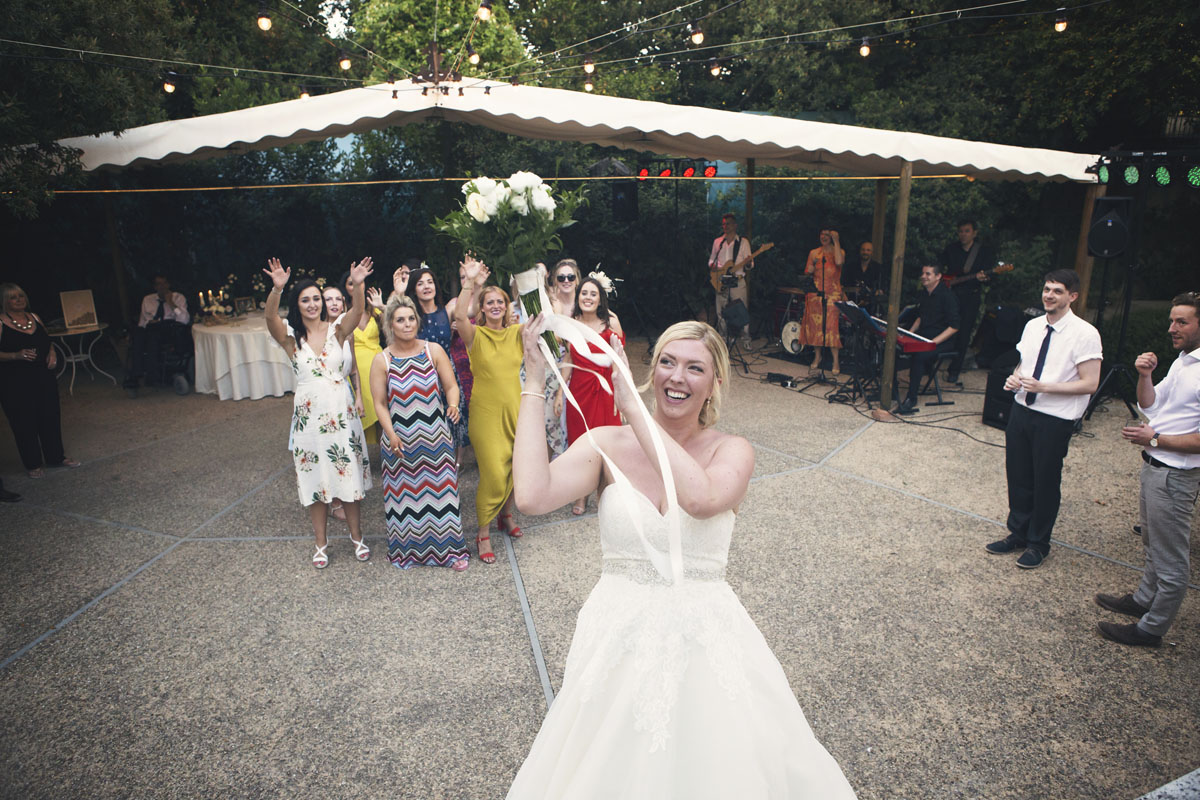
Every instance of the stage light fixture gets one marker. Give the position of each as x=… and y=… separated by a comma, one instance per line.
x=643, y=173
x=1193, y=177
x=695, y=33
x=1162, y=176
x=344, y=60
x=472, y=56
x=665, y=172
x=865, y=49
x=589, y=65
x=714, y=68
x=169, y=81
x=689, y=171
x=1102, y=173
x=484, y=12
x=1060, y=23
x=264, y=19
x=1132, y=175
x=710, y=171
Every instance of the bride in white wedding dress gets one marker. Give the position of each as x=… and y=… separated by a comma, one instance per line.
x=670, y=690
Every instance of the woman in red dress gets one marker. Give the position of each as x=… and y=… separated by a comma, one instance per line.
x=820, y=327
x=580, y=370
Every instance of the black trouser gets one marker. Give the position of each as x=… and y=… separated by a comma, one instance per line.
x=1035, y=446
x=920, y=365
x=149, y=347
x=30, y=401
x=968, y=310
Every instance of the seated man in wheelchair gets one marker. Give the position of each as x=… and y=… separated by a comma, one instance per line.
x=160, y=345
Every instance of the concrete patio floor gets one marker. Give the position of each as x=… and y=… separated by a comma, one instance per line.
x=163, y=634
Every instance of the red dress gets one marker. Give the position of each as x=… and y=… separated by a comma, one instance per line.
x=596, y=403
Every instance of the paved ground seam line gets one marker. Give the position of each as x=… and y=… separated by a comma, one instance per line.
x=535, y=643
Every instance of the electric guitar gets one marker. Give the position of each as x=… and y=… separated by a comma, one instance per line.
x=714, y=276
x=974, y=276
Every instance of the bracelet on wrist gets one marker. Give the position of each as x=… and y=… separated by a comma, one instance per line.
x=541, y=394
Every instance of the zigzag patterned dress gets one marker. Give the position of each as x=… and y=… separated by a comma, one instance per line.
x=420, y=485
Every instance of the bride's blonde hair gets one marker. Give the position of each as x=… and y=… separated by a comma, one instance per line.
x=712, y=340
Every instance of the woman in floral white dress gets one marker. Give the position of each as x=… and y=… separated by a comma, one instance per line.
x=328, y=445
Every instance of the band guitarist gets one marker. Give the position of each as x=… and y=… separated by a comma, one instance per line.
x=966, y=256
x=726, y=248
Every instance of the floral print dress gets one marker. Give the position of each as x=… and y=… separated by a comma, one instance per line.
x=328, y=445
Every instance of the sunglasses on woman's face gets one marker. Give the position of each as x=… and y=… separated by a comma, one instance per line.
x=566, y=277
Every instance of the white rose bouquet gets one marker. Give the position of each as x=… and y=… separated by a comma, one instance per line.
x=511, y=225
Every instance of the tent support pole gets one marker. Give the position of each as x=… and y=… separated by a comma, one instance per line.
x=749, y=234
x=893, y=314
x=1083, y=262
x=881, y=189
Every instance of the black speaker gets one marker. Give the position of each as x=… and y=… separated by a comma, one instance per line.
x=1109, y=234
x=625, y=201
x=997, y=401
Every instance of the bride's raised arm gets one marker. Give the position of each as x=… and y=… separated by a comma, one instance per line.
x=703, y=490
x=540, y=486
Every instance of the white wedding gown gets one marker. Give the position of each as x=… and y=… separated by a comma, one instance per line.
x=671, y=691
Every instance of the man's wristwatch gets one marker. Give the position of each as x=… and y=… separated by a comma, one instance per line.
x=1153, y=438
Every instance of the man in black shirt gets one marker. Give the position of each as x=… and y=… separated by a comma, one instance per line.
x=966, y=256
x=938, y=320
x=862, y=281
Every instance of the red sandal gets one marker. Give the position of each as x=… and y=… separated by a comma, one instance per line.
x=487, y=558
x=513, y=531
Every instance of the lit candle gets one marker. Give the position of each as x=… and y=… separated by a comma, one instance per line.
x=210, y=297
x=201, y=298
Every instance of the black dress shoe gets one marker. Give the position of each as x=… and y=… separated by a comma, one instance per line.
x=1129, y=634
x=1006, y=545
x=8, y=497
x=1031, y=559
x=1122, y=605
x=906, y=408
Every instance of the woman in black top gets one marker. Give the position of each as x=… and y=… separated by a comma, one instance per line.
x=28, y=385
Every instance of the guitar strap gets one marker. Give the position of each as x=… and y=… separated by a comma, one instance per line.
x=970, y=262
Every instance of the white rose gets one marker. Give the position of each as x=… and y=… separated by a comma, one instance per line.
x=493, y=201
x=521, y=181
x=541, y=200
x=520, y=204
x=476, y=207
x=485, y=186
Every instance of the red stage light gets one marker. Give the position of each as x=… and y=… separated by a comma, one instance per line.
x=643, y=173
x=710, y=171
x=665, y=172
x=689, y=172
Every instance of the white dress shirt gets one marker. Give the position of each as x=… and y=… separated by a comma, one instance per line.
x=1176, y=409
x=723, y=251
x=1073, y=342
x=150, y=307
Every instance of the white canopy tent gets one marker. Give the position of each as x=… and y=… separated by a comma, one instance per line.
x=641, y=125
x=564, y=115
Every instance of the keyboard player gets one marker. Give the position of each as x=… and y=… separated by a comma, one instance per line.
x=937, y=320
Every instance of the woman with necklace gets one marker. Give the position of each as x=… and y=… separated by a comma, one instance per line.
x=416, y=395
x=496, y=354
x=329, y=449
x=28, y=385
x=584, y=372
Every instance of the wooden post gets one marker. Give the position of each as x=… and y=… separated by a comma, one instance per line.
x=893, y=315
x=881, y=189
x=1084, y=262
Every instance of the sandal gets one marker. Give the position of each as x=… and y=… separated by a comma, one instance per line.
x=513, y=531
x=487, y=558
x=338, y=512
x=69, y=462
x=461, y=564
x=37, y=473
x=579, y=509
x=361, y=551
x=320, y=560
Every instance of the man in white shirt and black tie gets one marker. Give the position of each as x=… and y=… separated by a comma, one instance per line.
x=1170, y=480
x=162, y=324
x=1059, y=369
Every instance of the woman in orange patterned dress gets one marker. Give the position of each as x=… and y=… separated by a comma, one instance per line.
x=820, y=328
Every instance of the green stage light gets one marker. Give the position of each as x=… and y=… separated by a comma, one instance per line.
x=1163, y=176
x=1102, y=173
x=1193, y=177
x=1132, y=175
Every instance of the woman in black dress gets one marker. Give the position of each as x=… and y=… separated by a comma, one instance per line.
x=28, y=385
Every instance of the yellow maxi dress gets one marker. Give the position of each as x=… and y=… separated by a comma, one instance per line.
x=366, y=346
x=492, y=425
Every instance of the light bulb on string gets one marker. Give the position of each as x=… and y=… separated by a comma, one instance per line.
x=304, y=95
x=472, y=56
x=1060, y=24
x=714, y=68
x=589, y=65
x=695, y=33
x=865, y=49
x=264, y=19
x=344, y=60
x=589, y=85
x=169, y=82
x=484, y=12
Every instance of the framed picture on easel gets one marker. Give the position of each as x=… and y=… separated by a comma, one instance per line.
x=79, y=309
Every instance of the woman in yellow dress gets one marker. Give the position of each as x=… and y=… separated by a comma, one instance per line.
x=820, y=327
x=496, y=354
x=366, y=347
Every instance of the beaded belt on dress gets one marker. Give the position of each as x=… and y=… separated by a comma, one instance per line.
x=640, y=571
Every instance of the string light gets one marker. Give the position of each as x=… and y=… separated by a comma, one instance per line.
x=304, y=95
x=264, y=19
x=714, y=67
x=589, y=85
x=395, y=94
x=695, y=33
x=472, y=56
x=1060, y=24
x=344, y=60
x=484, y=12
x=865, y=49
x=589, y=65
x=169, y=79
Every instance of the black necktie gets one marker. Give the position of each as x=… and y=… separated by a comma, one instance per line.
x=1030, y=397
x=158, y=315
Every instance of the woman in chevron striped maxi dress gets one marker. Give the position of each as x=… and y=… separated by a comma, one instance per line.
x=413, y=386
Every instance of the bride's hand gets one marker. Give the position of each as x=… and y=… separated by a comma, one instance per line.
x=535, y=360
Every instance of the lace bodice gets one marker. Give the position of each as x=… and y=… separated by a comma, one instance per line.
x=705, y=541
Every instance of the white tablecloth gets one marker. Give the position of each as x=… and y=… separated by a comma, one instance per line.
x=241, y=360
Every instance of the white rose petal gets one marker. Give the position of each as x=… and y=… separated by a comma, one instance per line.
x=522, y=181
x=476, y=208
x=485, y=186
x=541, y=200
x=519, y=204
